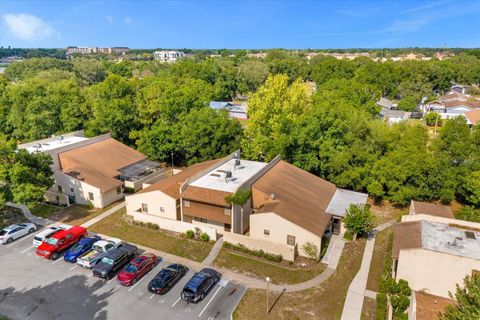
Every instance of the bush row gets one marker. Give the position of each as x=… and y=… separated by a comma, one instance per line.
x=149, y=225
x=257, y=253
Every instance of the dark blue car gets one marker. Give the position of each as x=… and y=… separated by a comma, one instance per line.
x=80, y=248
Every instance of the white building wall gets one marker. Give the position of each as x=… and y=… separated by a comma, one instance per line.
x=72, y=186
x=426, y=217
x=434, y=272
x=287, y=252
x=155, y=200
x=279, y=229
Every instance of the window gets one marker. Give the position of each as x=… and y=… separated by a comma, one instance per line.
x=290, y=240
x=162, y=209
x=119, y=190
x=266, y=232
x=144, y=207
x=186, y=203
x=59, y=188
x=90, y=196
x=200, y=219
x=71, y=190
x=227, y=211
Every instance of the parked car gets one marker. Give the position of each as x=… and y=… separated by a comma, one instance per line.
x=80, y=248
x=137, y=268
x=167, y=278
x=199, y=285
x=99, y=250
x=114, y=260
x=59, y=241
x=16, y=231
x=44, y=234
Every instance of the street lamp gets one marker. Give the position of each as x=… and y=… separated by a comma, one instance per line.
x=268, y=281
x=171, y=153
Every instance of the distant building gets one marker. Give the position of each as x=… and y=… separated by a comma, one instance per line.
x=168, y=56
x=235, y=110
x=92, y=50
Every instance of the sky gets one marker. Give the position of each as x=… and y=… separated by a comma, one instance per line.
x=240, y=24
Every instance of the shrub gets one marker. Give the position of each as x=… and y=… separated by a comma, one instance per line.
x=311, y=250
x=359, y=219
x=204, y=237
x=190, y=234
x=381, y=306
x=432, y=118
x=257, y=253
x=153, y=226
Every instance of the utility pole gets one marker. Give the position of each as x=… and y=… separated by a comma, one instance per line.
x=268, y=304
x=171, y=153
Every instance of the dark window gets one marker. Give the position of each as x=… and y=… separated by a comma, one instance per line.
x=186, y=203
x=290, y=240
x=201, y=219
x=144, y=207
x=90, y=196
x=266, y=232
x=119, y=190
x=59, y=188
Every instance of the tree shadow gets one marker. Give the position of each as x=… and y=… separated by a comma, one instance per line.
x=72, y=298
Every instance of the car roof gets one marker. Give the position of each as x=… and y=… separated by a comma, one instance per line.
x=196, y=280
x=11, y=227
x=86, y=240
x=138, y=260
x=47, y=231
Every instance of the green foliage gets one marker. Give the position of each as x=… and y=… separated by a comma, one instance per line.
x=468, y=300
x=190, y=234
x=382, y=306
x=359, y=219
x=468, y=213
x=311, y=250
x=471, y=188
x=239, y=198
x=409, y=103
x=204, y=237
x=256, y=253
x=433, y=118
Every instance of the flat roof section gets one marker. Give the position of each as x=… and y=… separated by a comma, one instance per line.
x=217, y=179
x=342, y=199
x=447, y=239
x=54, y=143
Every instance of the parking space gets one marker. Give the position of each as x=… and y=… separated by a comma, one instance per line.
x=32, y=287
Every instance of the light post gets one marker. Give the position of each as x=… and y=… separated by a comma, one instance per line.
x=171, y=153
x=268, y=281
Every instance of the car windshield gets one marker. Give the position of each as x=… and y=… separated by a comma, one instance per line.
x=107, y=260
x=3, y=232
x=189, y=290
x=52, y=241
x=130, y=268
x=97, y=248
x=77, y=248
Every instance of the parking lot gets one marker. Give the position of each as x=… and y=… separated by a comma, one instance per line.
x=32, y=287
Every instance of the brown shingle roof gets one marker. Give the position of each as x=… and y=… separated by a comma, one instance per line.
x=473, y=116
x=300, y=197
x=433, y=209
x=206, y=195
x=406, y=235
x=473, y=104
x=429, y=306
x=171, y=185
x=97, y=163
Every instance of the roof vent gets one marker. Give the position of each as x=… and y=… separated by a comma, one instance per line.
x=228, y=176
x=470, y=235
x=457, y=242
x=272, y=196
x=237, y=164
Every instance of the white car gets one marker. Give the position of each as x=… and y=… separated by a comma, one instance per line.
x=44, y=234
x=99, y=250
x=16, y=231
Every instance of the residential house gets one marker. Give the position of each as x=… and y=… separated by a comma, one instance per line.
x=395, y=116
x=235, y=110
x=168, y=56
x=386, y=104
x=434, y=254
x=425, y=306
x=92, y=170
x=473, y=116
x=433, y=209
x=288, y=207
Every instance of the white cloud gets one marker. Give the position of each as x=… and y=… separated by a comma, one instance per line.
x=109, y=20
x=28, y=27
x=128, y=21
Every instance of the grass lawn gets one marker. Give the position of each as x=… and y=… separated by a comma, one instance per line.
x=78, y=214
x=256, y=267
x=117, y=225
x=9, y=215
x=324, y=302
x=369, y=309
x=43, y=210
x=385, y=211
x=381, y=251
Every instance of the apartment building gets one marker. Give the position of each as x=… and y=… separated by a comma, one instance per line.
x=288, y=206
x=168, y=56
x=92, y=50
x=94, y=170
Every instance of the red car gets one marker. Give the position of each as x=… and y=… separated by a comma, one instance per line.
x=137, y=268
x=59, y=241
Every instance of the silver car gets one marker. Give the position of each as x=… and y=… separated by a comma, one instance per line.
x=16, y=231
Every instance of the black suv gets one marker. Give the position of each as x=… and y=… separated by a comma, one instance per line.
x=114, y=260
x=199, y=285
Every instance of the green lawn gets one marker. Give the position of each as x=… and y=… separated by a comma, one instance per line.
x=324, y=302
x=253, y=266
x=43, y=210
x=117, y=225
x=381, y=251
x=369, y=311
x=78, y=214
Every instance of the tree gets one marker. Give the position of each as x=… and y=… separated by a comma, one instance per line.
x=468, y=300
x=239, y=198
x=89, y=70
x=409, y=103
x=358, y=219
x=24, y=177
x=433, y=119
x=311, y=250
x=252, y=74
x=471, y=188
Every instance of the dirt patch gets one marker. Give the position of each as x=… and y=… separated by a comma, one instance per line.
x=385, y=211
x=10, y=215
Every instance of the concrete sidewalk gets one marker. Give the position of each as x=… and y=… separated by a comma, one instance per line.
x=26, y=212
x=104, y=215
x=214, y=252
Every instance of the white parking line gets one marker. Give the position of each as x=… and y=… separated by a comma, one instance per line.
x=56, y=261
x=91, y=274
x=173, y=305
x=200, y=314
x=27, y=249
x=18, y=241
x=136, y=284
x=153, y=295
x=73, y=267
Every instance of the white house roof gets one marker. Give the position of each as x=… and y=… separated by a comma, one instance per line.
x=216, y=178
x=54, y=143
x=342, y=199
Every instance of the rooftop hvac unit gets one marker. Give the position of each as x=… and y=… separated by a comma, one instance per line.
x=228, y=176
x=237, y=164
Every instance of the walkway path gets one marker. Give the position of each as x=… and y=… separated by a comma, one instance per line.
x=352, y=308
x=104, y=215
x=26, y=212
x=214, y=252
